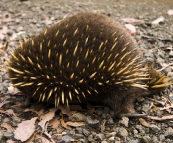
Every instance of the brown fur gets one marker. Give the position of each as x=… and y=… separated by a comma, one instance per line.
x=65, y=63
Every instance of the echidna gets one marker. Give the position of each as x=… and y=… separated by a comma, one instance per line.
x=86, y=57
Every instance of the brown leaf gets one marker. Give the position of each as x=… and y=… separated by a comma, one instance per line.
x=131, y=28
x=7, y=126
x=75, y=124
x=3, y=103
x=44, y=140
x=158, y=20
x=131, y=20
x=54, y=123
x=40, y=112
x=25, y=129
x=11, y=141
x=12, y=90
x=143, y=122
x=161, y=118
x=170, y=12
x=2, y=36
x=112, y=133
x=8, y=112
x=47, y=117
x=65, y=125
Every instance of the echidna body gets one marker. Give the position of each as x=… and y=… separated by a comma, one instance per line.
x=86, y=57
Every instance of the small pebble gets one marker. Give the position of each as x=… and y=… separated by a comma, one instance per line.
x=122, y=132
x=154, y=128
x=79, y=129
x=106, y=110
x=92, y=122
x=102, y=128
x=100, y=136
x=99, y=112
x=86, y=132
x=146, y=139
x=1, y=134
x=125, y=121
x=111, y=138
x=66, y=138
x=161, y=137
x=90, y=138
x=8, y=134
x=76, y=117
x=16, y=119
x=169, y=133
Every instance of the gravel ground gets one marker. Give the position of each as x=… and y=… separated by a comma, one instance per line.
x=26, y=18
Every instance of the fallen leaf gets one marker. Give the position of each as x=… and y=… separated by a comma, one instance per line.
x=170, y=12
x=8, y=112
x=112, y=133
x=2, y=36
x=3, y=103
x=11, y=141
x=25, y=129
x=131, y=20
x=40, y=112
x=49, y=137
x=54, y=123
x=131, y=28
x=12, y=90
x=65, y=125
x=47, y=117
x=77, y=117
x=161, y=118
x=158, y=20
x=143, y=122
x=44, y=140
x=75, y=124
x=7, y=126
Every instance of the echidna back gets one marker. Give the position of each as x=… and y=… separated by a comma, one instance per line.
x=77, y=58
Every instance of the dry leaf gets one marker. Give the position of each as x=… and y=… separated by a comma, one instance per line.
x=44, y=140
x=31, y=139
x=131, y=20
x=11, y=141
x=47, y=117
x=170, y=12
x=25, y=129
x=54, y=123
x=158, y=20
x=3, y=103
x=8, y=112
x=2, y=36
x=161, y=118
x=40, y=112
x=12, y=90
x=65, y=125
x=75, y=124
x=143, y=122
x=131, y=28
x=7, y=126
x=112, y=133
